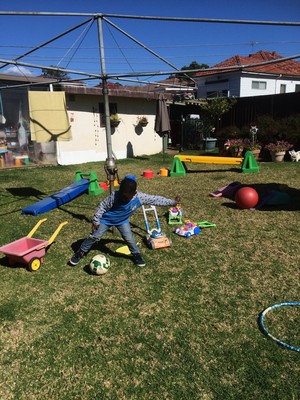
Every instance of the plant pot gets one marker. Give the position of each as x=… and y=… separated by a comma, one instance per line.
x=236, y=151
x=143, y=124
x=256, y=153
x=209, y=144
x=114, y=124
x=277, y=156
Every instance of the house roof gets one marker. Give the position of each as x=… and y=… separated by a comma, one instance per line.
x=80, y=87
x=287, y=67
x=14, y=79
x=114, y=90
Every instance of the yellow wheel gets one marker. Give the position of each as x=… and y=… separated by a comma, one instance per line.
x=34, y=264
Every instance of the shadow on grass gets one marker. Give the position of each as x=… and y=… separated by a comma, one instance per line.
x=21, y=193
x=4, y=263
x=81, y=217
x=199, y=171
x=26, y=192
x=272, y=197
x=104, y=245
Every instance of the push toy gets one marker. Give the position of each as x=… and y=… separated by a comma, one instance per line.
x=188, y=229
x=155, y=239
x=28, y=250
x=175, y=215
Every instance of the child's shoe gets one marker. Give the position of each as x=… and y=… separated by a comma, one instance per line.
x=138, y=260
x=77, y=257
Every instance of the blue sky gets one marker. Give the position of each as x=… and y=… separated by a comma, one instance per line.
x=178, y=42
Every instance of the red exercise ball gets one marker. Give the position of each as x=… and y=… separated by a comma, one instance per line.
x=246, y=197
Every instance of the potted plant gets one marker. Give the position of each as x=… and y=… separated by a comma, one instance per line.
x=114, y=120
x=211, y=112
x=235, y=147
x=255, y=147
x=142, y=121
x=278, y=149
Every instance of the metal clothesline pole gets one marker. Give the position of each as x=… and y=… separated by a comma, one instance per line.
x=148, y=17
x=110, y=164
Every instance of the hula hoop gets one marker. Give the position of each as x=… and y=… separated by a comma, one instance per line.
x=262, y=326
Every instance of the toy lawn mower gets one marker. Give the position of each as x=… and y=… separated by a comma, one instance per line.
x=155, y=239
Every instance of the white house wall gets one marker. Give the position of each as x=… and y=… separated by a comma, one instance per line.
x=240, y=85
x=273, y=86
x=218, y=83
x=89, y=138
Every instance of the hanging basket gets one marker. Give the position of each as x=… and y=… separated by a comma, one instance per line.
x=143, y=123
x=114, y=123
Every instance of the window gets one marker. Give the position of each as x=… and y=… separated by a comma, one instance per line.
x=297, y=88
x=112, y=110
x=282, y=88
x=260, y=85
x=217, y=93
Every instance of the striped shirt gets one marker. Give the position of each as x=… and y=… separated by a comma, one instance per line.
x=113, y=211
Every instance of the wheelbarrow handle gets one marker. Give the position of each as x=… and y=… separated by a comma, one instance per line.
x=30, y=234
x=51, y=240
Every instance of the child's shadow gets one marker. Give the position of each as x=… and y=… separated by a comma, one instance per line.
x=102, y=247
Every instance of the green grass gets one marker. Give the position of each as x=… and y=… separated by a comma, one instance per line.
x=184, y=327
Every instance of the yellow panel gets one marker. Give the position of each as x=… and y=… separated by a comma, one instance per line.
x=211, y=159
x=49, y=119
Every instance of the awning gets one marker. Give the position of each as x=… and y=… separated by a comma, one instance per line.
x=49, y=119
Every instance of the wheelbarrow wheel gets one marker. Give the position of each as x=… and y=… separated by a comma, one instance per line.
x=34, y=264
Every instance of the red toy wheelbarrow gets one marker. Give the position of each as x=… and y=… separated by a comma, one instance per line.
x=28, y=250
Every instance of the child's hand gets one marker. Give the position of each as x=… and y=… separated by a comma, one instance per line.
x=94, y=227
x=177, y=199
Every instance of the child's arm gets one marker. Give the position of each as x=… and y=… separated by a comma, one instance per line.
x=153, y=200
x=104, y=206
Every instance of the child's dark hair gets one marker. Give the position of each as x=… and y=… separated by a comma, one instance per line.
x=128, y=186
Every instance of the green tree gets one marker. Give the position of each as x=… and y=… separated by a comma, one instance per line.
x=193, y=65
x=212, y=110
x=57, y=73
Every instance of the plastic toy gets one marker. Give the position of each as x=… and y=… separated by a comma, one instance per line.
x=265, y=331
x=175, y=215
x=28, y=250
x=123, y=250
x=188, y=229
x=295, y=155
x=155, y=239
x=205, y=224
x=246, y=197
x=80, y=186
x=179, y=168
x=99, y=264
x=269, y=195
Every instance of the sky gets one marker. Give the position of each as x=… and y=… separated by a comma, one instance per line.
x=178, y=43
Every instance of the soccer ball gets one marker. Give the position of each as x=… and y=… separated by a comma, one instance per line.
x=99, y=264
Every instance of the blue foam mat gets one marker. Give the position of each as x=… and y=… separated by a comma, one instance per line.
x=57, y=199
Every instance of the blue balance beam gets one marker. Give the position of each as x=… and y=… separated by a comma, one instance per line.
x=57, y=199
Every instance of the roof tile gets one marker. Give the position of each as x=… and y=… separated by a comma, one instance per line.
x=287, y=67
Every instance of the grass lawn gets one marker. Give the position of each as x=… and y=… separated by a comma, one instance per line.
x=186, y=326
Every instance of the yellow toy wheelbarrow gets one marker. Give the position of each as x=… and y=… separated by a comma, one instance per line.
x=29, y=250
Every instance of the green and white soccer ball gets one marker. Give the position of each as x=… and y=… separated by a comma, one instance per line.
x=99, y=264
